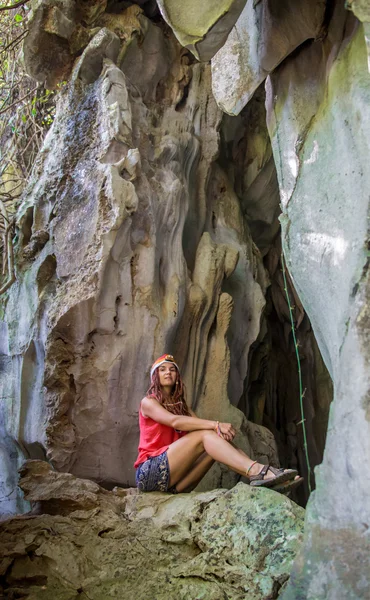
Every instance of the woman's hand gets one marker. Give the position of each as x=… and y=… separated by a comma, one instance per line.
x=227, y=431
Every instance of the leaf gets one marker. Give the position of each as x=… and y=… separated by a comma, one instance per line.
x=18, y=18
x=24, y=118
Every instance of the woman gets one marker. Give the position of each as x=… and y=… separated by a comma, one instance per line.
x=176, y=449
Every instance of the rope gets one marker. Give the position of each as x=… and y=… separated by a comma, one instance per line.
x=301, y=392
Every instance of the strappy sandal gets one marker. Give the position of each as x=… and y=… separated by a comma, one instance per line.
x=280, y=475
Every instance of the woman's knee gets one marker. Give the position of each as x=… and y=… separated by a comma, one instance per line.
x=206, y=434
x=202, y=434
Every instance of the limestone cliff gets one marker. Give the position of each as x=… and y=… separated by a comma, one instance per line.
x=151, y=223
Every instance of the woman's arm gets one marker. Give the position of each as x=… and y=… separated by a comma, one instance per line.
x=151, y=408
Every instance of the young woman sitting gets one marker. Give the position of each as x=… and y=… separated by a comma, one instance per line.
x=176, y=449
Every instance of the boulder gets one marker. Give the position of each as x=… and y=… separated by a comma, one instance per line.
x=105, y=44
x=233, y=544
x=262, y=37
x=46, y=49
x=361, y=9
x=201, y=27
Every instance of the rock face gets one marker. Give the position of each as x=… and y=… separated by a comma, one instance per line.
x=201, y=27
x=129, y=231
x=264, y=35
x=318, y=120
x=53, y=40
x=97, y=544
x=325, y=233
x=151, y=225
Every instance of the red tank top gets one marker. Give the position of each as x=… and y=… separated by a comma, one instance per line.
x=154, y=438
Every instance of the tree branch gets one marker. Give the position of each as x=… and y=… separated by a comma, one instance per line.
x=17, y=39
x=17, y=101
x=16, y=5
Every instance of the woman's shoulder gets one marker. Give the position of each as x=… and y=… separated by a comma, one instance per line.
x=149, y=399
x=146, y=402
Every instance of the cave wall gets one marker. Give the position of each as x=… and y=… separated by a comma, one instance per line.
x=154, y=228
x=317, y=102
x=150, y=224
x=128, y=231
x=324, y=189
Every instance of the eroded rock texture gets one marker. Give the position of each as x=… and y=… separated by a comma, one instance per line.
x=132, y=242
x=91, y=543
x=201, y=27
x=325, y=233
x=150, y=224
x=265, y=34
x=318, y=121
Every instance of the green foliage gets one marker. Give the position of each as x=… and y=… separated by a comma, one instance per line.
x=26, y=113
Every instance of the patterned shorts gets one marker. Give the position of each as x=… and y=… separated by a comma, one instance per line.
x=153, y=475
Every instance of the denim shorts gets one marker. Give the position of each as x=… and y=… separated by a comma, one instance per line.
x=153, y=475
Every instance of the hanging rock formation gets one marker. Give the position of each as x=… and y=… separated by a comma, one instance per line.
x=203, y=28
x=263, y=36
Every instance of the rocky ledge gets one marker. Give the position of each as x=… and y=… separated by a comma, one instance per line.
x=81, y=541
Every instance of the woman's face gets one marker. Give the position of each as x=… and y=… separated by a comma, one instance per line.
x=167, y=374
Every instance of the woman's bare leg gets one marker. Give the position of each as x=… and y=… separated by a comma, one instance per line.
x=196, y=474
x=239, y=449
x=183, y=453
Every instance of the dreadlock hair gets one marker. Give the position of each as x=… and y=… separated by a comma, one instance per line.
x=176, y=404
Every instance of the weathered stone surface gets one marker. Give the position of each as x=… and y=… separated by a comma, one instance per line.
x=89, y=11
x=47, y=55
x=145, y=57
x=40, y=483
x=270, y=392
x=361, y=9
x=104, y=45
x=211, y=545
x=140, y=246
x=320, y=141
x=201, y=27
x=57, y=23
x=60, y=29
x=248, y=144
x=263, y=36
x=151, y=225
x=144, y=230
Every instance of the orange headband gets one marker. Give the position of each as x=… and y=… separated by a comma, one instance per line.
x=162, y=359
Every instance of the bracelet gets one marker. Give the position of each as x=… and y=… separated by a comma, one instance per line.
x=217, y=428
x=250, y=466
